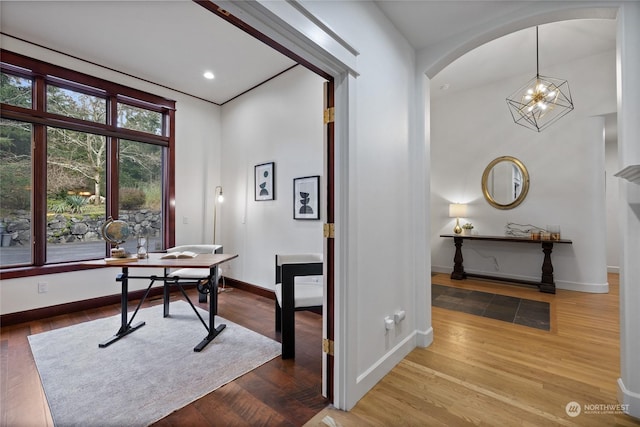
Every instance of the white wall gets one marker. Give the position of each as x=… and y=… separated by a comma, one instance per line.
x=280, y=122
x=378, y=235
x=566, y=168
x=197, y=171
x=628, y=127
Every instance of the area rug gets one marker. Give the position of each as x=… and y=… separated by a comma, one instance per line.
x=147, y=374
x=535, y=314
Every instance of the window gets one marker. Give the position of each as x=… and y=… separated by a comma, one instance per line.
x=135, y=118
x=141, y=192
x=79, y=105
x=15, y=90
x=15, y=192
x=68, y=164
x=76, y=175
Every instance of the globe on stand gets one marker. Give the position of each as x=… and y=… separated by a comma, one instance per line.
x=116, y=232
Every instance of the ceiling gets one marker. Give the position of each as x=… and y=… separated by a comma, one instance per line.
x=173, y=43
x=515, y=53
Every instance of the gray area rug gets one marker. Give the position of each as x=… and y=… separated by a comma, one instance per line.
x=146, y=375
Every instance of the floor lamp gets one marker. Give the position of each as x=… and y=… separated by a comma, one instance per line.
x=218, y=197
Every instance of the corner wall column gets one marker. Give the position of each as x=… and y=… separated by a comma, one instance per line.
x=420, y=178
x=628, y=68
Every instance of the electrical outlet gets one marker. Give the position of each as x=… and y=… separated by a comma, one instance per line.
x=43, y=287
x=388, y=323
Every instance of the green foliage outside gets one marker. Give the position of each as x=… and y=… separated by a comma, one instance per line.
x=131, y=198
x=15, y=90
x=73, y=204
x=153, y=196
x=15, y=183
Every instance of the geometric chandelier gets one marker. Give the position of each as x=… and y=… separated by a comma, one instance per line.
x=541, y=101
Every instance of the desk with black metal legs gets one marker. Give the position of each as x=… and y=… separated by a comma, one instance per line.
x=205, y=285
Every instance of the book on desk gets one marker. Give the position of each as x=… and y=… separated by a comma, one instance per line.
x=179, y=255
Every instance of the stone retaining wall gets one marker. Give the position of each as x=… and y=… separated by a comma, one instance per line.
x=67, y=228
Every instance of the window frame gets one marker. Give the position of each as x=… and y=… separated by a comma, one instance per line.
x=43, y=73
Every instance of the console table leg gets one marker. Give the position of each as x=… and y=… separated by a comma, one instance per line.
x=458, y=269
x=547, y=284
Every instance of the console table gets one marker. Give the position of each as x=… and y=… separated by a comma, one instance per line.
x=546, y=284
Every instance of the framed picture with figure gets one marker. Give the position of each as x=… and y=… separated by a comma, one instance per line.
x=306, y=197
x=264, y=181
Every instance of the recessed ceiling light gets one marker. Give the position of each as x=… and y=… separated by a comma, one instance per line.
x=208, y=75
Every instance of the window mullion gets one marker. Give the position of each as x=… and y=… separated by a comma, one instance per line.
x=39, y=195
x=169, y=185
x=39, y=178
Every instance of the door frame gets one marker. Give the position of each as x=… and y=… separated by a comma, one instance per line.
x=259, y=22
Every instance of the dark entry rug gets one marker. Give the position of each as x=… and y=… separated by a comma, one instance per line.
x=535, y=314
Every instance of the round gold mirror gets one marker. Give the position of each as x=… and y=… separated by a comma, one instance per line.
x=505, y=182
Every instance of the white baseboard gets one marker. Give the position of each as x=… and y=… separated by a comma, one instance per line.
x=629, y=400
x=594, y=288
x=371, y=376
x=424, y=338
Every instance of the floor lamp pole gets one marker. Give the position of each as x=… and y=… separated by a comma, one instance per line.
x=217, y=197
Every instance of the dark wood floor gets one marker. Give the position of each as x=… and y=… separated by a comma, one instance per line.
x=279, y=393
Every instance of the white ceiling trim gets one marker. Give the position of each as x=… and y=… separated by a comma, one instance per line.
x=290, y=25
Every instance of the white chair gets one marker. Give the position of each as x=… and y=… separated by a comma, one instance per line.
x=195, y=274
x=299, y=286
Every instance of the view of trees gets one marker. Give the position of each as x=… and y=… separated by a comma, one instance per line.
x=77, y=164
x=74, y=149
x=76, y=161
x=15, y=168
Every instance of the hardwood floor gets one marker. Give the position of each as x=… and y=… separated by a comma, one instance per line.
x=478, y=371
x=487, y=372
x=280, y=392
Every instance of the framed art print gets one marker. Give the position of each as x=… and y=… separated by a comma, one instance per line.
x=306, y=197
x=264, y=181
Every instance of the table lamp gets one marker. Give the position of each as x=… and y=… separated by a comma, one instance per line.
x=457, y=210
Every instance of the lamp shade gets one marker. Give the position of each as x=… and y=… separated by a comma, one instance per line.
x=457, y=210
